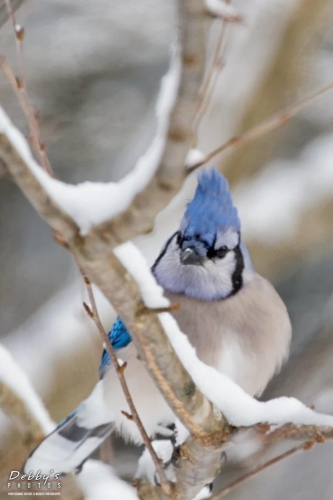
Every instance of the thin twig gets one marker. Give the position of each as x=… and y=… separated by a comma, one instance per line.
x=4, y=12
x=264, y=127
x=20, y=87
x=254, y=472
x=120, y=369
x=207, y=89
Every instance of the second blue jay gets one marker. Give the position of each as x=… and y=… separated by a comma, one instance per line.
x=233, y=317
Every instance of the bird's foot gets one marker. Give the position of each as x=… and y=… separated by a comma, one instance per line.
x=165, y=445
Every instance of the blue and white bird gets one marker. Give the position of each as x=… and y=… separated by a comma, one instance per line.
x=232, y=316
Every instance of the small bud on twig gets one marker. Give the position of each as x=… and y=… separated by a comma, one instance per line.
x=122, y=367
x=127, y=415
x=309, y=445
x=88, y=310
x=18, y=82
x=59, y=239
x=19, y=32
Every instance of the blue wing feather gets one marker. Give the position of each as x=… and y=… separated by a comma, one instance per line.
x=119, y=338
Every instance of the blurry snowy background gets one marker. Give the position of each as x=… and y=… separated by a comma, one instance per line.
x=93, y=72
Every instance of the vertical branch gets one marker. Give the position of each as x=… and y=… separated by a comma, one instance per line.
x=140, y=215
x=212, y=76
x=171, y=172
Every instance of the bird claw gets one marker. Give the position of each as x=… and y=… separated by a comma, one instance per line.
x=175, y=457
x=156, y=479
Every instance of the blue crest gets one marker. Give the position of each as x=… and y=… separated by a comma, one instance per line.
x=211, y=211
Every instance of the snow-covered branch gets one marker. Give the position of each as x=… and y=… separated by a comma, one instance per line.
x=20, y=402
x=98, y=481
x=220, y=8
x=158, y=174
x=91, y=203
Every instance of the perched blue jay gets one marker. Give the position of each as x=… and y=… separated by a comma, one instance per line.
x=233, y=317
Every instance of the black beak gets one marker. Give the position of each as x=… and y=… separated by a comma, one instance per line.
x=190, y=256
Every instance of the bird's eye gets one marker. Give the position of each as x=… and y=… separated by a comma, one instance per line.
x=179, y=238
x=219, y=253
x=222, y=252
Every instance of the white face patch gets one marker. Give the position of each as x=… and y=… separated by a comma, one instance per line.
x=228, y=239
x=211, y=281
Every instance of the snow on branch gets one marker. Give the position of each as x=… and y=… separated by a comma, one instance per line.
x=136, y=264
x=92, y=203
x=158, y=175
x=97, y=480
x=220, y=8
x=19, y=400
x=239, y=408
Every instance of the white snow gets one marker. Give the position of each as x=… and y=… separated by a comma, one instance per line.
x=92, y=203
x=146, y=467
x=221, y=9
x=14, y=378
x=238, y=407
x=98, y=481
x=164, y=449
x=136, y=265
x=193, y=157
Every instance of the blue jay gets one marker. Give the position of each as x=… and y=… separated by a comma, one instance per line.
x=233, y=317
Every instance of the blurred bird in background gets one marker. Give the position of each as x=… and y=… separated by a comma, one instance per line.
x=233, y=317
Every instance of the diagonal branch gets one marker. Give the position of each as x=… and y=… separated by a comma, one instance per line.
x=120, y=369
x=263, y=128
x=254, y=472
x=20, y=87
x=294, y=432
x=3, y=9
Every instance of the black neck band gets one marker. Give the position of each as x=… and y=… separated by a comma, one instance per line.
x=237, y=275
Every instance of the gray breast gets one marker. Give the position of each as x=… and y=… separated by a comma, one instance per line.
x=246, y=336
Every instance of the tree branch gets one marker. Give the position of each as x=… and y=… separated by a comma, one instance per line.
x=294, y=432
x=254, y=472
x=16, y=409
x=262, y=128
x=140, y=215
x=120, y=369
x=20, y=87
x=3, y=9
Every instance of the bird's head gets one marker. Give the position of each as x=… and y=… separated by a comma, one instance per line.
x=206, y=258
